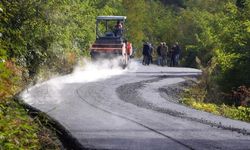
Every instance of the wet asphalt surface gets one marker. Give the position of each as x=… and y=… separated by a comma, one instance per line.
x=137, y=110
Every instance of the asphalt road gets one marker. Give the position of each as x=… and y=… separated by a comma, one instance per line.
x=127, y=110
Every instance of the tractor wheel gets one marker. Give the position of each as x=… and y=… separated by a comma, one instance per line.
x=124, y=66
x=93, y=56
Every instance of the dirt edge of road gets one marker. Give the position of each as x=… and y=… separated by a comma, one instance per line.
x=173, y=92
x=129, y=94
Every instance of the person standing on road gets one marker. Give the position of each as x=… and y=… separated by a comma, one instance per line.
x=177, y=54
x=176, y=51
x=129, y=48
x=150, y=53
x=172, y=56
x=159, y=56
x=146, y=53
x=127, y=51
x=164, y=51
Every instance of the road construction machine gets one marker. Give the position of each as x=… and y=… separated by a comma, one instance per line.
x=110, y=39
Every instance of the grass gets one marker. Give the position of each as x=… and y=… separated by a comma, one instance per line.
x=19, y=131
x=238, y=113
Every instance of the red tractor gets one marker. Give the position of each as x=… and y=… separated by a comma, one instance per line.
x=110, y=40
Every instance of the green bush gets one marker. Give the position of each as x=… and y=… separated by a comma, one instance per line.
x=238, y=113
x=38, y=37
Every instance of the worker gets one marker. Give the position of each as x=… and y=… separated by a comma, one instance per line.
x=176, y=51
x=172, y=55
x=164, y=51
x=150, y=53
x=146, y=53
x=118, y=29
x=177, y=54
x=159, y=58
x=129, y=48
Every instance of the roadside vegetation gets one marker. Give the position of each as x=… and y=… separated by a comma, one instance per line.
x=214, y=36
x=194, y=98
x=39, y=39
x=19, y=131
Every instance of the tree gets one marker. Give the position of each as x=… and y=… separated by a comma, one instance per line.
x=240, y=3
x=135, y=12
x=38, y=33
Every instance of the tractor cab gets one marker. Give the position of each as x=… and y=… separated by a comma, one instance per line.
x=110, y=40
x=110, y=33
x=110, y=26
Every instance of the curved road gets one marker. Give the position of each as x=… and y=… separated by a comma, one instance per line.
x=129, y=111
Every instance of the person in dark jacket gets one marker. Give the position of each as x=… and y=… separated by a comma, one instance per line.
x=159, y=55
x=150, y=53
x=177, y=54
x=118, y=29
x=176, y=51
x=146, y=53
x=172, y=56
